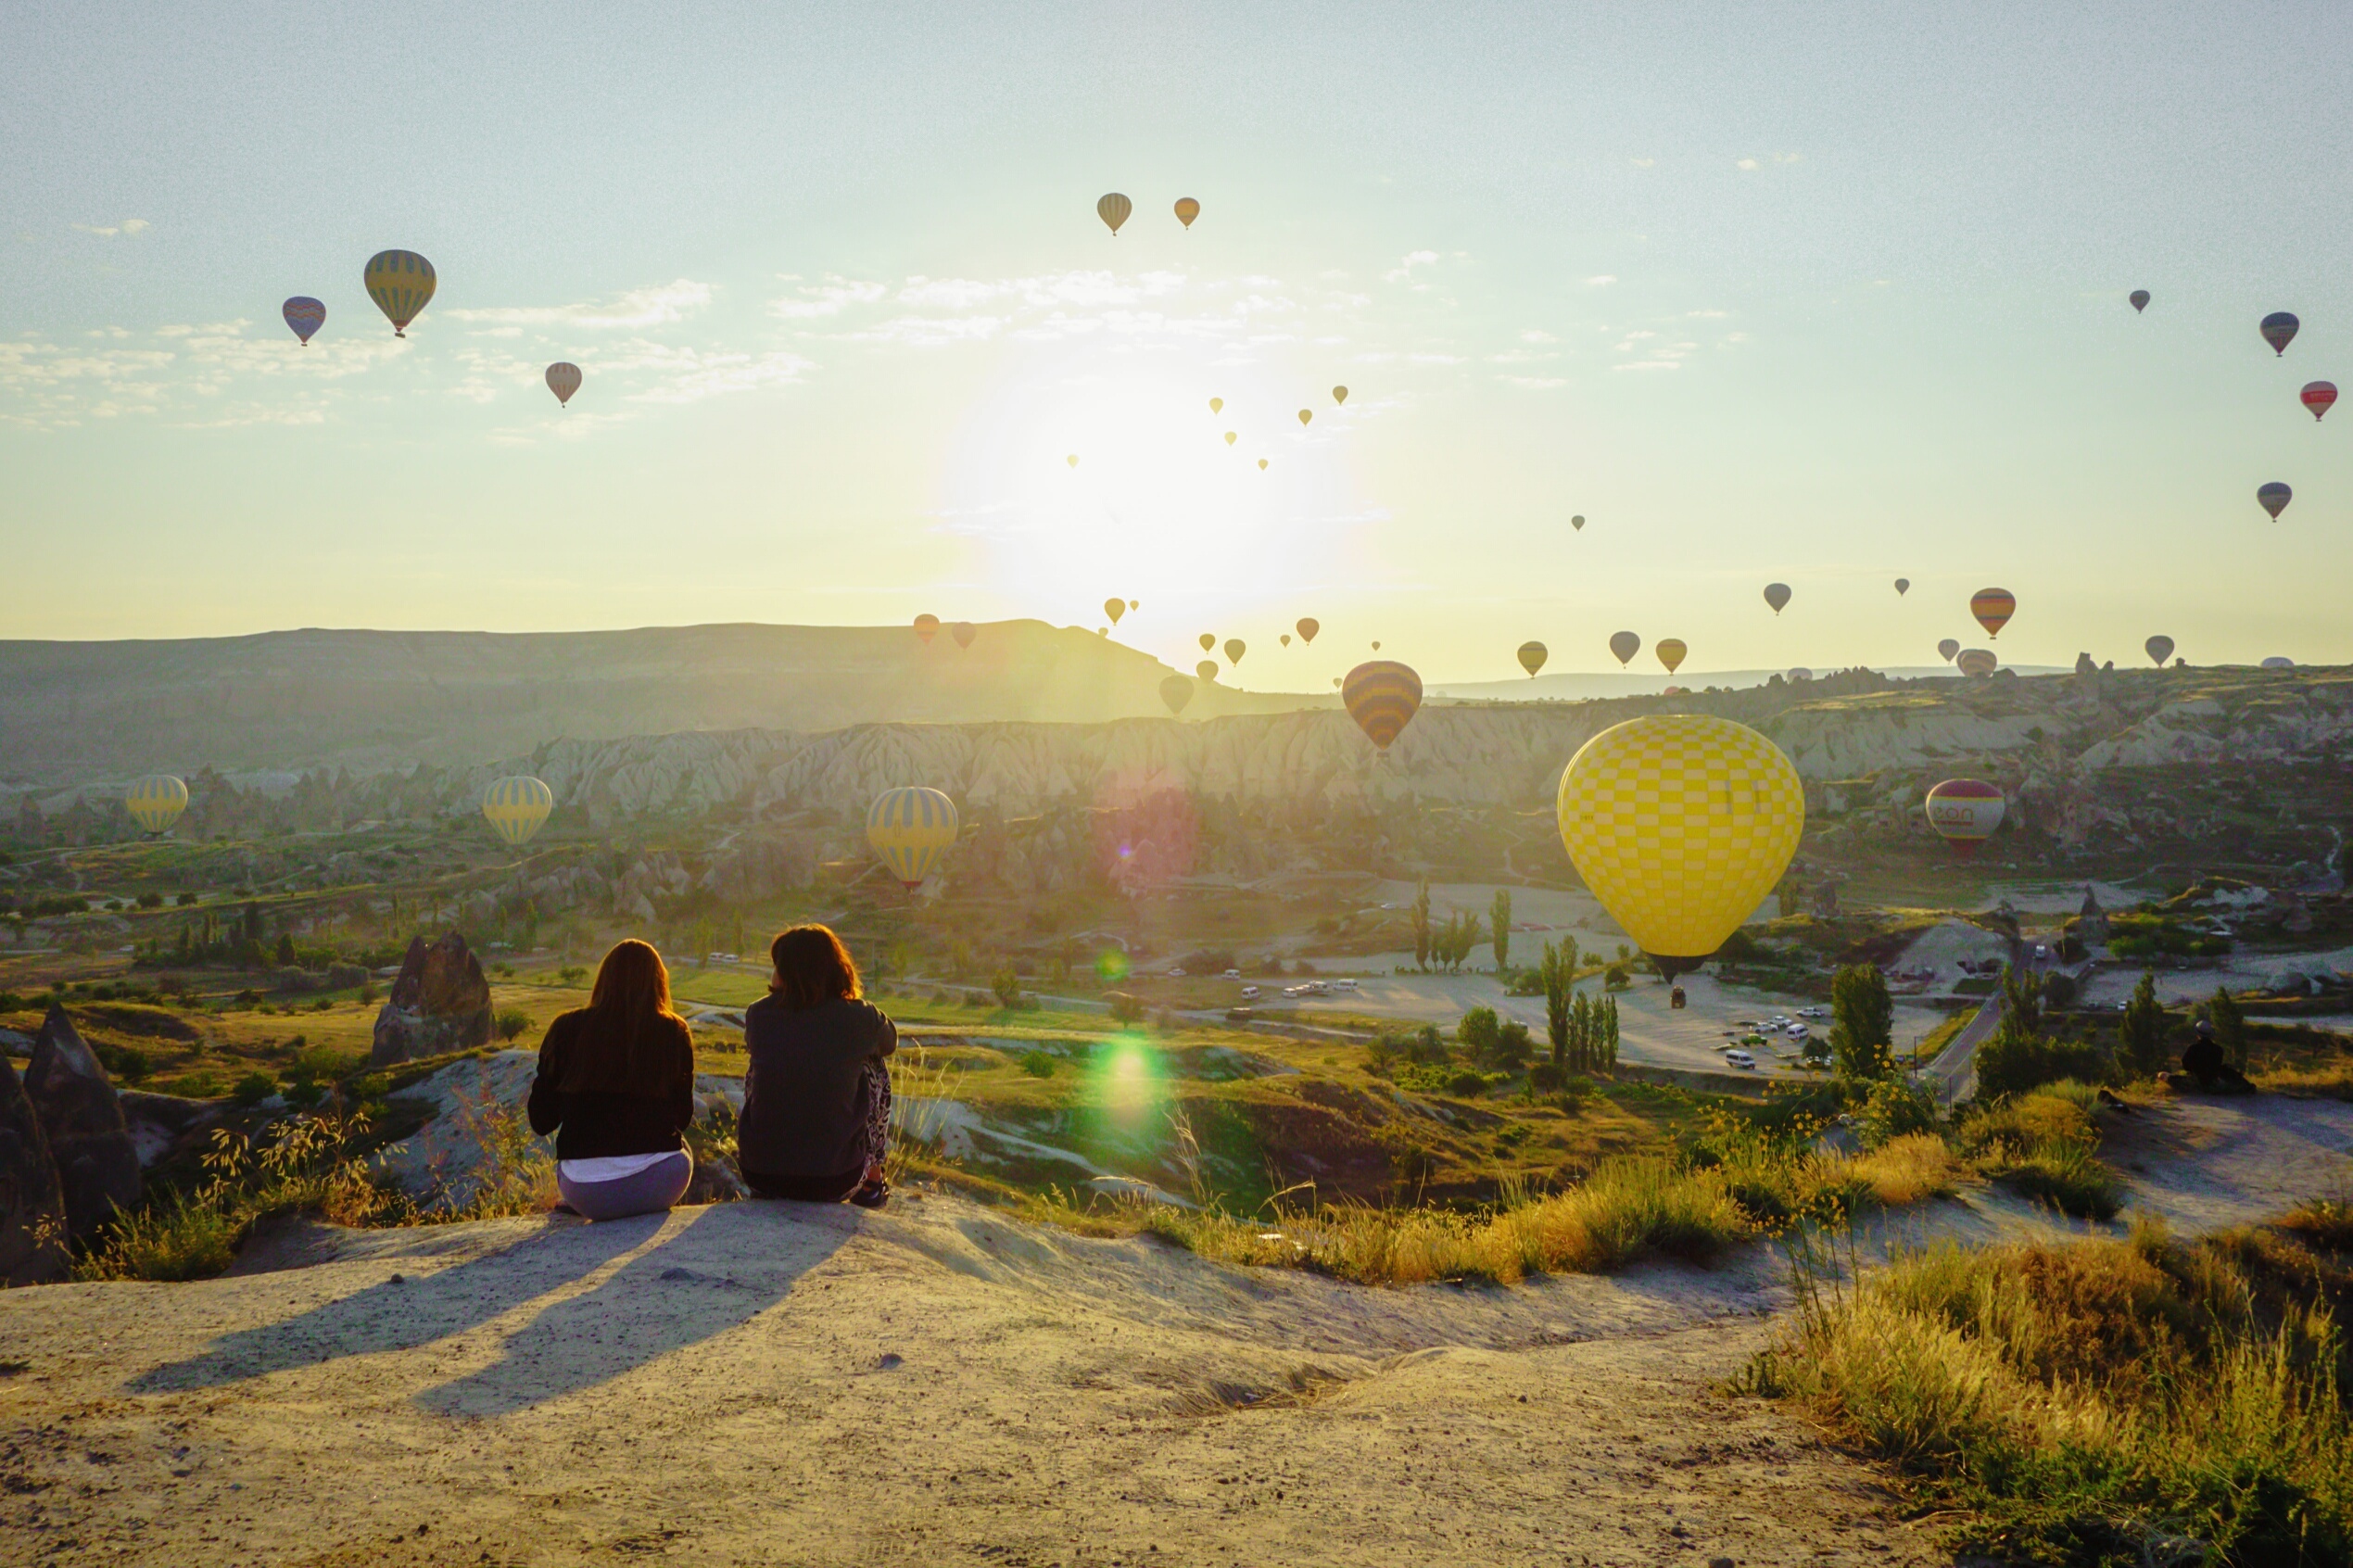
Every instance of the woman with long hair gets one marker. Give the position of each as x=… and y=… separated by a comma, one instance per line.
x=616, y=1087
x=817, y=1097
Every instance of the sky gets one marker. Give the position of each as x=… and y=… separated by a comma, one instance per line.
x=1818, y=294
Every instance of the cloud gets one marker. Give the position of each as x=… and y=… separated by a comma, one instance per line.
x=1413, y=259
x=641, y=308
x=110, y=230
x=1644, y=162
x=828, y=298
x=1649, y=364
x=1537, y=335
x=1535, y=383
x=1602, y=280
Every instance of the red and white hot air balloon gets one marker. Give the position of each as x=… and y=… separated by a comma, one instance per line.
x=1964, y=813
x=2318, y=396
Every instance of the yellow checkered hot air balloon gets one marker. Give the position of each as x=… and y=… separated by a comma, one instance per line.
x=400, y=282
x=517, y=807
x=909, y=827
x=156, y=801
x=1680, y=823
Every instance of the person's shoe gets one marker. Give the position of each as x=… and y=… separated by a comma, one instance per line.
x=874, y=1195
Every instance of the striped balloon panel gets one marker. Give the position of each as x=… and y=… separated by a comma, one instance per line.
x=1993, y=608
x=1680, y=823
x=305, y=315
x=1383, y=697
x=1976, y=661
x=517, y=807
x=400, y=282
x=1672, y=651
x=563, y=379
x=910, y=827
x=156, y=801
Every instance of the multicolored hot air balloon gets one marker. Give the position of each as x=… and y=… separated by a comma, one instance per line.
x=1307, y=628
x=2158, y=649
x=1671, y=652
x=1993, y=608
x=517, y=807
x=2279, y=330
x=1187, y=209
x=1114, y=209
x=1680, y=823
x=2318, y=396
x=2273, y=498
x=1339, y=394
x=1777, y=595
x=305, y=315
x=402, y=284
x=910, y=827
x=964, y=632
x=156, y=801
x=1115, y=608
x=1964, y=813
x=2139, y=298
x=1208, y=640
x=927, y=627
x=1625, y=645
x=1234, y=648
x=1578, y=522
x=1207, y=669
x=1383, y=697
x=1903, y=586
x=1532, y=657
x=1176, y=691
x=1947, y=648
x=563, y=379
x=1977, y=663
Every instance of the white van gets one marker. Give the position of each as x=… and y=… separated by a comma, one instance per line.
x=1740, y=1059
x=1344, y=985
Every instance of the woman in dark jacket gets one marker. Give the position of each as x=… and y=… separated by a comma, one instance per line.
x=817, y=1097
x=616, y=1087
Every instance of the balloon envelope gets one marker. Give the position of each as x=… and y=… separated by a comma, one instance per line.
x=1671, y=650
x=1339, y=394
x=1625, y=645
x=156, y=801
x=1578, y=522
x=1532, y=657
x=1993, y=608
x=517, y=807
x=2273, y=498
x=1947, y=649
x=1903, y=586
x=1976, y=661
x=927, y=626
x=1777, y=595
x=1187, y=209
x=1217, y=405
x=2279, y=330
x=563, y=379
x=2279, y=662
x=1207, y=669
x=1115, y=608
x=1799, y=674
x=1176, y=691
x=1307, y=628
x=2140, y=298
x=1964, y=813
x=2318, y=396
x=1263, y=463
x=1208, y=640
x=2160, y=649
x=305, y=315
x=1680, y=823
x=1383, y=697
x=910, y=827
x=402, y=284
x=1234, y=648
x=1114, y=209
x=1232, y=435
x=964, y=632
x=1306, y=415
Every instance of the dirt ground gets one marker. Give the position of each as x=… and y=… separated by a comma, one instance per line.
x=773, y=1383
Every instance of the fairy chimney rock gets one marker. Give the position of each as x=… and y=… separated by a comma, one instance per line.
x=441, y=1002
x=33, y=1205
x=97, y=1164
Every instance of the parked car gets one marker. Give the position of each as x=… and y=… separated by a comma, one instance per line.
x=1249, y=993
x=1344, y=985
x=1176, y=974
x=1740, y=1059
x=1234, y=974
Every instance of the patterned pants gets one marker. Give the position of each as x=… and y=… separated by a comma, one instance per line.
x=874, y=1111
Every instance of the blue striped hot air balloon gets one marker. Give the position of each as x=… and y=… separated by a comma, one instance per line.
x=909, y=827
x=305, y=315
x=517, y=807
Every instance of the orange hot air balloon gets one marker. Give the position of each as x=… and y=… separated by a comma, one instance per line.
x=1383, y=697
x=1671, y=652
x=1307, y=628
x=964, y=632
x=1993, y=608
x=1114, y=209
x=1187, y=209
x=927, y=627
x=1964, y=813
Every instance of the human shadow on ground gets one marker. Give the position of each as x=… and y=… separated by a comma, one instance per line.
x=730, y=1263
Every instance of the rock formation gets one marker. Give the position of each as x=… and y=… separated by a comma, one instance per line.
x=98, y=1164
x=441, y=1002
x=32, y=1207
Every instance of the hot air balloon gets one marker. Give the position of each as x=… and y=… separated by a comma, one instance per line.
x=1072, y=459
x=1382, y=697
x=1680, y=823
x=1234, y=648
x=1339, y=394
x=2273, y=498
x=1261, y=465
x=1903, y=586
x=2318, y=396
x=1799, y=674
x=1777, y=595
x=1306, y=415
x=1376, y=648
x=909, y=827
x=1135, y=604
x=1532, y=657
x=1208, y=640
x=1207, y=669
x=517, y=807
x=2140, y=300
x=2160, y=649
x=1671, y=650
x=1217, y=405
x=563, y=379
x=156, y=801
x=1286, y=640
x=1964, y=813
x=305, y=315
x=1335, y=680
x=2279, y=662
x=1114, y=209
x=927, y=627
x=1229, y=439
x=1947, y=649
x=964, y=632
x=1176, y=691
x=400, y=282
x=1993, y=608
x=1307, y=628
x=1187, y=209
x=1625, y=645
x=1578, y=522
x=1976, y=661
x=2279, y=330
x=1115, y=608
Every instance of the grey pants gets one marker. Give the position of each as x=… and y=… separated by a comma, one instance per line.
x=651, y=1190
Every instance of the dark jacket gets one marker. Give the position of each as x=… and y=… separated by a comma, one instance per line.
x=801, y=1090
x=608, y=1111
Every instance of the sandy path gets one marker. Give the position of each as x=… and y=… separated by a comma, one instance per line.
x=768, y=1383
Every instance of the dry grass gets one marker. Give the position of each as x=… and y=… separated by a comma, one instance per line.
x=1909, y=1169
x=2044, y=1146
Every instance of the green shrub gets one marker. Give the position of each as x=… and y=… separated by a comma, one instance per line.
x=1896, y=1107
x=510, y=1024
x=2015, y=1064
x=254, y=1088
x=1037, y=1064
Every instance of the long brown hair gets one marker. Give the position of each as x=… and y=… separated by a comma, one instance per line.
x=618, y=1052
x=813, y=967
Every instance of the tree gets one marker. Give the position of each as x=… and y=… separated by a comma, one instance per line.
x=1558, y=971
x=2141, y=1034
x=1863, y=1018
x=1500, y=928
x=1478, y=1032
x=1007, y=986
x=1421, y=924
x=2224, y=1012
x=285, y=955
x=511, y=1023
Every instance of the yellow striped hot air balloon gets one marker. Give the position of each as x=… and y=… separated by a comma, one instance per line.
x=1672, y=653
x=1382, y=696
x=400, y=282
x=1114, y=209
x=1680, y=823
x=909, y=827
x=156, y=801
x=517, y=807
